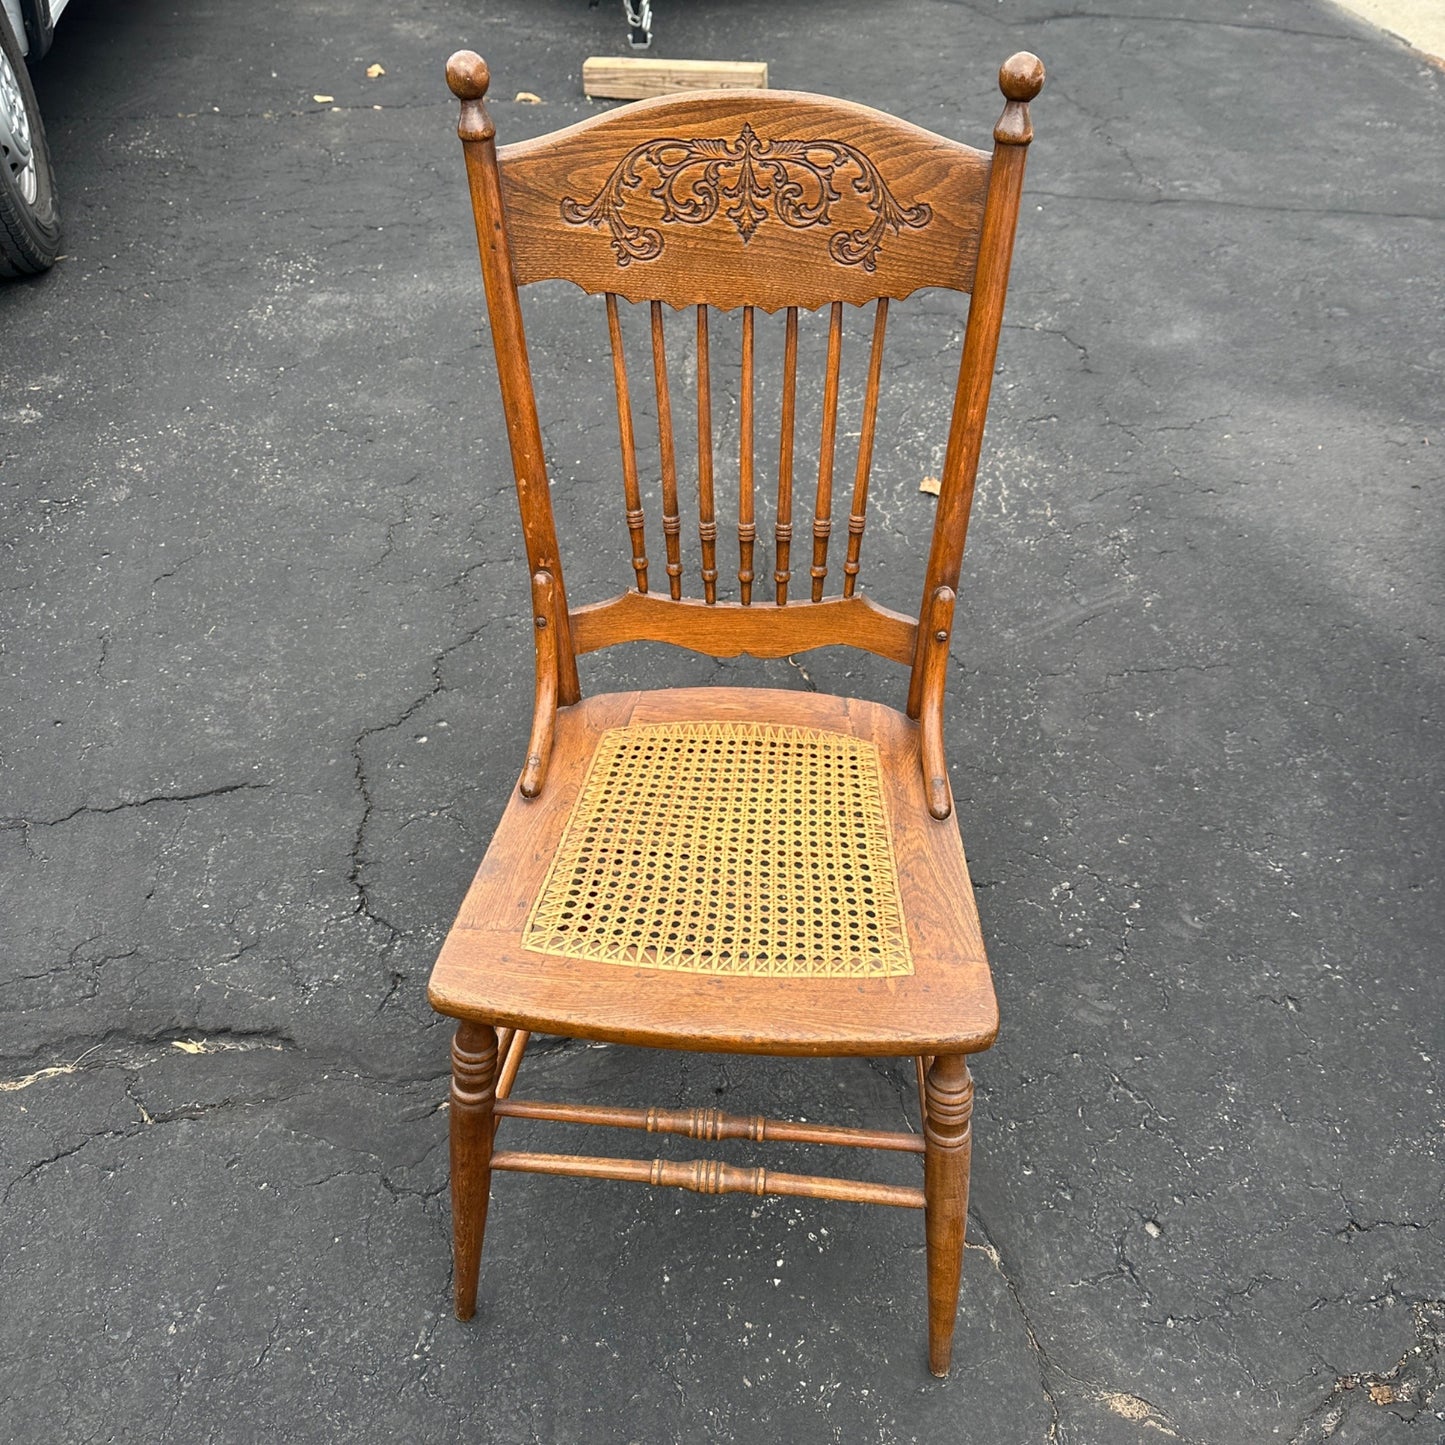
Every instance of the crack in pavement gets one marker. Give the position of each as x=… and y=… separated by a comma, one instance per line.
x=355, y=872
x=17, y=823
x=1124, y=1403
x=131, y=1052
x=1415, y=1383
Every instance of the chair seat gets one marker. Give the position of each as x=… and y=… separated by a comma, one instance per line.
x=732, y=870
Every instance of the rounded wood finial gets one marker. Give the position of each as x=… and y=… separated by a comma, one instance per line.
x=1020, y=77
x=468, y=76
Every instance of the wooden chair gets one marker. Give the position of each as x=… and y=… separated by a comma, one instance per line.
x=730, y=869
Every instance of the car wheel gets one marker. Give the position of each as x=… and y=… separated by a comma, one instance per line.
x=29, y=220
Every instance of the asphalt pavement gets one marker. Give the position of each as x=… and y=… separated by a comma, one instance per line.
x=267, y=676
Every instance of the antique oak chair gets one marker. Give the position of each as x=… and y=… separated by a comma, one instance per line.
x=731, y=869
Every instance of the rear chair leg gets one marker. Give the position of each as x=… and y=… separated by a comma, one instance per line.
x=474, y=1081
x=947, y=1145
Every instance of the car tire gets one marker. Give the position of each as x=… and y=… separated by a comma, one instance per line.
x=29, y=218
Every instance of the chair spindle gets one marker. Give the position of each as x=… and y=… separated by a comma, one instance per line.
x=858, y=512
x=782, y=574
x=823, y=511
x=747, y=530
x=707, y=520
x=671, y=522
x=631, y=492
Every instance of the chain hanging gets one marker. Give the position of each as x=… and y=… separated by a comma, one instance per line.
x=639, y=23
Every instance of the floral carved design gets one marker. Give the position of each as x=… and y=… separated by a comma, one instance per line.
x=749, y=179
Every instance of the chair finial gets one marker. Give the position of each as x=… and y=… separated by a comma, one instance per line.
x=1020, y=77
x=469, y=77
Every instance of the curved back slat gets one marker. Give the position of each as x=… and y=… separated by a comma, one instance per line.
x=728, y=629
x=707, y=197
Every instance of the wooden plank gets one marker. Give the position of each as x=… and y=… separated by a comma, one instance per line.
x=636, y=77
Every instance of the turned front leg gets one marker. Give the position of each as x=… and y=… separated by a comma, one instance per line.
x=474, y=1082
x=948, y=1142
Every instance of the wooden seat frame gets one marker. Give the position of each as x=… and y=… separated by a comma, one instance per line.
x=577, y=205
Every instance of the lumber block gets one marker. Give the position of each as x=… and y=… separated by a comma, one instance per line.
x=634, y=77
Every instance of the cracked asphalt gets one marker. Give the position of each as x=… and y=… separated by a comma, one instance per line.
x=265, y=636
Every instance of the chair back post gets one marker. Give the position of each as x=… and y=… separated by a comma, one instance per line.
x=468, y=77
x=1020, y=78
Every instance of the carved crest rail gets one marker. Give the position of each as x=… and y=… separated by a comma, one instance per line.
x=750, y=179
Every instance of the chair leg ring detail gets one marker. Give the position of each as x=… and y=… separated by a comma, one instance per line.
x=474, y=1080
x=948, y=1142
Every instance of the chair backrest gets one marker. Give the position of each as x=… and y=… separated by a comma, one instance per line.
x=771, y=201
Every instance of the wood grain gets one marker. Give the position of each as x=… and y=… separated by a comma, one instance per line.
x=548, y=621
x=858, y=512
x=762, y=201
x=783, y=530
x=823, y=496
x=707, y=517
x=938, y=624
x=948, y=1141
x=709, y=1176
x=474, y=1072
x=511, y=1058
x=637, y=77
x=728, y=629
x=747, y=528
x=709, y=1124
x=671, y=521
x=1019, y=79
x=946, y=1005
x=631, y=491
x=467, y=75
x=899, y=167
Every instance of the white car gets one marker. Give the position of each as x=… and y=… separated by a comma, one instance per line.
x=29, y=219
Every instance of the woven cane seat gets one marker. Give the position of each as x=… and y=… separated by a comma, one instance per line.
x=728, y=847
x=731, y=863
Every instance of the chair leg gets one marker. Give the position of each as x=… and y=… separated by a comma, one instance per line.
x=474, y=1082
x=948, y=1142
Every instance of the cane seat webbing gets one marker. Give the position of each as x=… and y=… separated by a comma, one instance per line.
x=728, y=848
